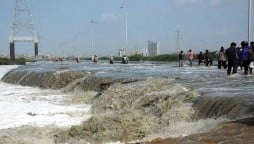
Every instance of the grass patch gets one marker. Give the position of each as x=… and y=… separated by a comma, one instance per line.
x=18, y=61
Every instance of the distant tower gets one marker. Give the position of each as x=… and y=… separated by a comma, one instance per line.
x=125, y=50
x=22, y=27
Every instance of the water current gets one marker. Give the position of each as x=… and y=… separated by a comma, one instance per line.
x=207, y=80
x=21, y=105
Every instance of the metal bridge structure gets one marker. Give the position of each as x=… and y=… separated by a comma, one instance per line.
x=22, y=29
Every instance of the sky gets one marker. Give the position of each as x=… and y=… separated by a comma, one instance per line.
x=65, y=28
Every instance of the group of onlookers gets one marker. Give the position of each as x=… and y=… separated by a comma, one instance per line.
x=181, y=57
x=124, y=60
x=206, y=58
x=229, y=59
x=240, y=56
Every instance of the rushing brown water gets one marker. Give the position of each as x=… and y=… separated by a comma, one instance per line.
x=236, y=132
x=148, y=101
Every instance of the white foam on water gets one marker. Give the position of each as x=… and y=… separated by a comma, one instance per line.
x=38, y=113
x=6, y=68
x=21, y=106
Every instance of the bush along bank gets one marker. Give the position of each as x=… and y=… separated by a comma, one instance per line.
x=164, y=57
x=18, y=61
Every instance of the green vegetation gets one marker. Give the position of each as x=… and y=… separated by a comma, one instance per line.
x=4, y=61
x=137, y=58
x=18, y=61
x=164, y=57
x=108, y=58
x=104, y=58
x=83, y=58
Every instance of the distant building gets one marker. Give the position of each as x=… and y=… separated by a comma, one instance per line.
x=121, y=52
x=153, y=48
x=142, y=52
x=145, y=52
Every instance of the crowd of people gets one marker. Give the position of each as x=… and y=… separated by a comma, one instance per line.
x=206, y=58
x=231, y=59
x=124, y=59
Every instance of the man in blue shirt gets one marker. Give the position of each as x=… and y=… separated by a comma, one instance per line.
x=245, y=56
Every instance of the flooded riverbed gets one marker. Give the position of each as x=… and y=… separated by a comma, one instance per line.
x=184, y=100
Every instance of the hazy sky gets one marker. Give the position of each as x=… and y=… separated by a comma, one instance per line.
x=64, y=25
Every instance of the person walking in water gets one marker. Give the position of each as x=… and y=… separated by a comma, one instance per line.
x=245, y=57
x=201, y=58
x=125, y=60
x=95, y=59
x=190, y=56
x=232, y=58
x=77, y=60
x=180, y=58
x=251, y=56
x=239, y=51
x=208, y=58
x=222, y=59
x=111, y=60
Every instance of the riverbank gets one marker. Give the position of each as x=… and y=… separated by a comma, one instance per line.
x=18, y=61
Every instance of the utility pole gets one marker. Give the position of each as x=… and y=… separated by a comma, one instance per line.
x=92, y=36
x=178, y=46
x=126, y=26
x=249, y=22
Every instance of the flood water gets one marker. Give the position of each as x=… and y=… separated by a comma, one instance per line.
x=22, y=106
x=209, y=81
